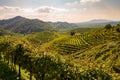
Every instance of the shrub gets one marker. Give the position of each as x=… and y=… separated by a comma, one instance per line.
x=118, y=29
x=72, y=33
x=96, y=74
x=118, y=24
x=108, y=26
x=116, y=68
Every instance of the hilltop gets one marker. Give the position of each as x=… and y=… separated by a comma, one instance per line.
x=23, y=25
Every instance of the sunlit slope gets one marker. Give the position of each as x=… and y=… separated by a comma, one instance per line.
x=41, y=37
x=98, y=48
x=83, y=41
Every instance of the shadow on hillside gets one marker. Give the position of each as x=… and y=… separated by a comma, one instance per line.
x=6, y=73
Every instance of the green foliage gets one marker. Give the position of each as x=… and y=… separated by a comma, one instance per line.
x=118, y=24
x=82, y=41
x=108, y=26
x=41, y=37
x=81, y=30
x=95, y=55
x=118, y=29
x=6, y=73
x=96, y=74
x=116, y=68
x=72, y=33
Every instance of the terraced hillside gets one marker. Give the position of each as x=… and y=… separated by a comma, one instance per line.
x=93, y=55
x=74, y=44
x=98, y=48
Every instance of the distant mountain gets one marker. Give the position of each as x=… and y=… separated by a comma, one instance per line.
x=97, y=22
x=23, y=25
x=63, y=25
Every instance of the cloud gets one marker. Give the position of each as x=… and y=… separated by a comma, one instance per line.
x=76, y=13
x=47, y=9
x=7, y=12
x=10, y=9
x=44, y=13
x=81, y=2
x=72, y=3
x=91, y=1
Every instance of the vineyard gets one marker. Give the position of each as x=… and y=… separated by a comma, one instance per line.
x=73, y=44
x=98, y=48
x=93, y=55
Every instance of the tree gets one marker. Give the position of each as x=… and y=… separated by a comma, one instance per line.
x=72, y=33
x=28, y=64
x=19, y=52
x=118, y=29
x=108, y=26
x=5, y=47
x=118, y=24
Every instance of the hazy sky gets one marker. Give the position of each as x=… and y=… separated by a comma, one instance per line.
x=61, y=10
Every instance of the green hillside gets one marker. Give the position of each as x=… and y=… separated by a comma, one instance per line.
x=72, y=44
x=23, y=25
x=5, y=32
x=98, y=48
x=41, y=37
x=92, y=55
x=78, y=30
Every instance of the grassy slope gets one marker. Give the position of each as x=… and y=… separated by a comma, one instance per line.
x=99, y=48
x=77, y=30
x=41, y=37
x=82, y=41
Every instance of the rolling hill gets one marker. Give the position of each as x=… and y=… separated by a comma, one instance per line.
x=92, y=55
x=41, y=37
x=63, y=25
x=83, y=40
x=98, y=48
x=23, y=25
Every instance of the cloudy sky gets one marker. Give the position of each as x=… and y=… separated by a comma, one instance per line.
x=61, y=10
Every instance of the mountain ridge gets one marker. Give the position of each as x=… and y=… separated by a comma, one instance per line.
x=24, y=25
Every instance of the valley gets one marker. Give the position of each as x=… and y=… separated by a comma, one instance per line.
x=32, y=49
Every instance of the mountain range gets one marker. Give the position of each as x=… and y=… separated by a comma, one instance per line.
x=97, y=23
x=23, y=25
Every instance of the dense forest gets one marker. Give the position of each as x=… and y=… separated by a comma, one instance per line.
x=74, y=54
